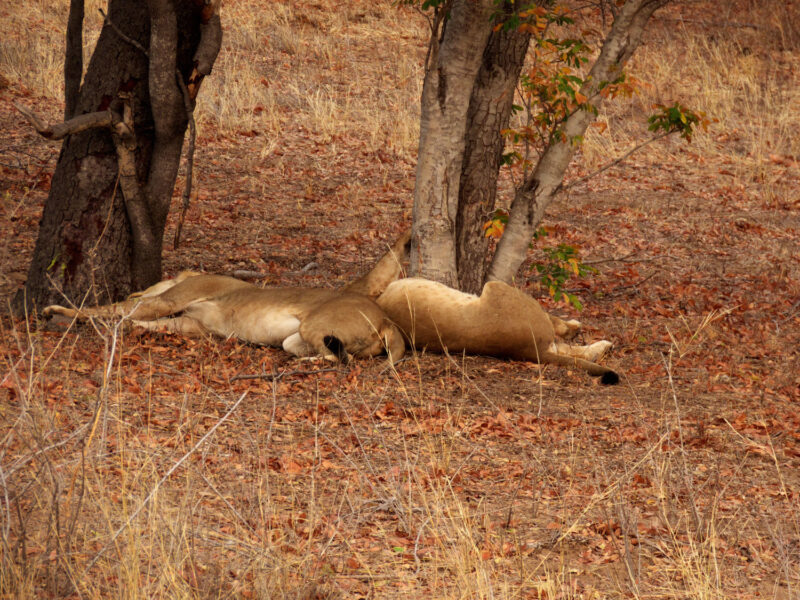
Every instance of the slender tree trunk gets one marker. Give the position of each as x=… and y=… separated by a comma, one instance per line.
x=92, y=236
x=450, y=74
x=536, y=193
x=73, y=58
x=488, y=114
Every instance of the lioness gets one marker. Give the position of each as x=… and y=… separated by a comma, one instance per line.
x=502, y=321
x=332, y=323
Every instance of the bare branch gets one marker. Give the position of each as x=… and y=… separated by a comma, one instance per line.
x=136, y=204
x=205, y=56
x=614, y=162
x=187, y=189
x=59, y=131
x=275, y=376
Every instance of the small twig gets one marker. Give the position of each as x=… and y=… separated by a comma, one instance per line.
x=227, y=503
x=247, y=274
x=605, y=260
x=790, y=313
x=416, y=545
x=276, y=376
x=107, y=20
x=513, y=498
x=614, y=291
x=187, y=189
x=614, y=162
x=627, y=259
x=710, y=24
x=160, y=482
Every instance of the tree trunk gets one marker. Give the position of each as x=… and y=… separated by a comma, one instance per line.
x=73, y=58
x=450, y=74
x=536, y=193
x=488, y=114
x=88, y=236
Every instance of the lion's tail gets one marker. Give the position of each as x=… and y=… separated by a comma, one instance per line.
x=606, y=375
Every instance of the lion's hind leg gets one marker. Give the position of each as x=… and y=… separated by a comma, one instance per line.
x=183, y=325
x=162, y=286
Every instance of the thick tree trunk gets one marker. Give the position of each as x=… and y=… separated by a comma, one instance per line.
x=488, y=114
x=533, y=197
x=87, y=235
x=449, y=79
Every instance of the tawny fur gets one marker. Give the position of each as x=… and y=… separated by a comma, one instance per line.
x=303, y=321
x=502, y=321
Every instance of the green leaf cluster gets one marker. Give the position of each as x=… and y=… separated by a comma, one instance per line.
x=559, y=265
x=677, y=118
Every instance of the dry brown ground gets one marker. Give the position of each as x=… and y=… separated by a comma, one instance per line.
x=451, y=477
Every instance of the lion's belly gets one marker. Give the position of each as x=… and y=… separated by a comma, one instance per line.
x=501, y=322
x=431, y=314
x=268, y=325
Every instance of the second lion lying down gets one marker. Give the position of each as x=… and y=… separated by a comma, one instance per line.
x=502, y=321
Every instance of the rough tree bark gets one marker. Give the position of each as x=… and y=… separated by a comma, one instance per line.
x=73, y=58
x=454, y=59
x=489, y=112
x=542, y=185
x=103, y=221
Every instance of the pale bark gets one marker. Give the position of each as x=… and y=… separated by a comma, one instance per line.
x=542, y=185
x=449, y=79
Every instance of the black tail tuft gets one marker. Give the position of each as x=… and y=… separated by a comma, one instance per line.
x=336, y=347
x=609, y=378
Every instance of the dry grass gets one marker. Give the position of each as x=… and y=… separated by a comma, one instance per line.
x=32, y=46
x=314, y=68
x=737, y=78
x=370, y=491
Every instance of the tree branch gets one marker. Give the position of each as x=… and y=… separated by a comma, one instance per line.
x=210, y=42
x=539, y=189
x=571, y=184
x=104, y=118
x=275, y=376
x=135, y=202
x=187, y=188
x=206, y=54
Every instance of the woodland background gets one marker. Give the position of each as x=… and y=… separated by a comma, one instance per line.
x=449, y=477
